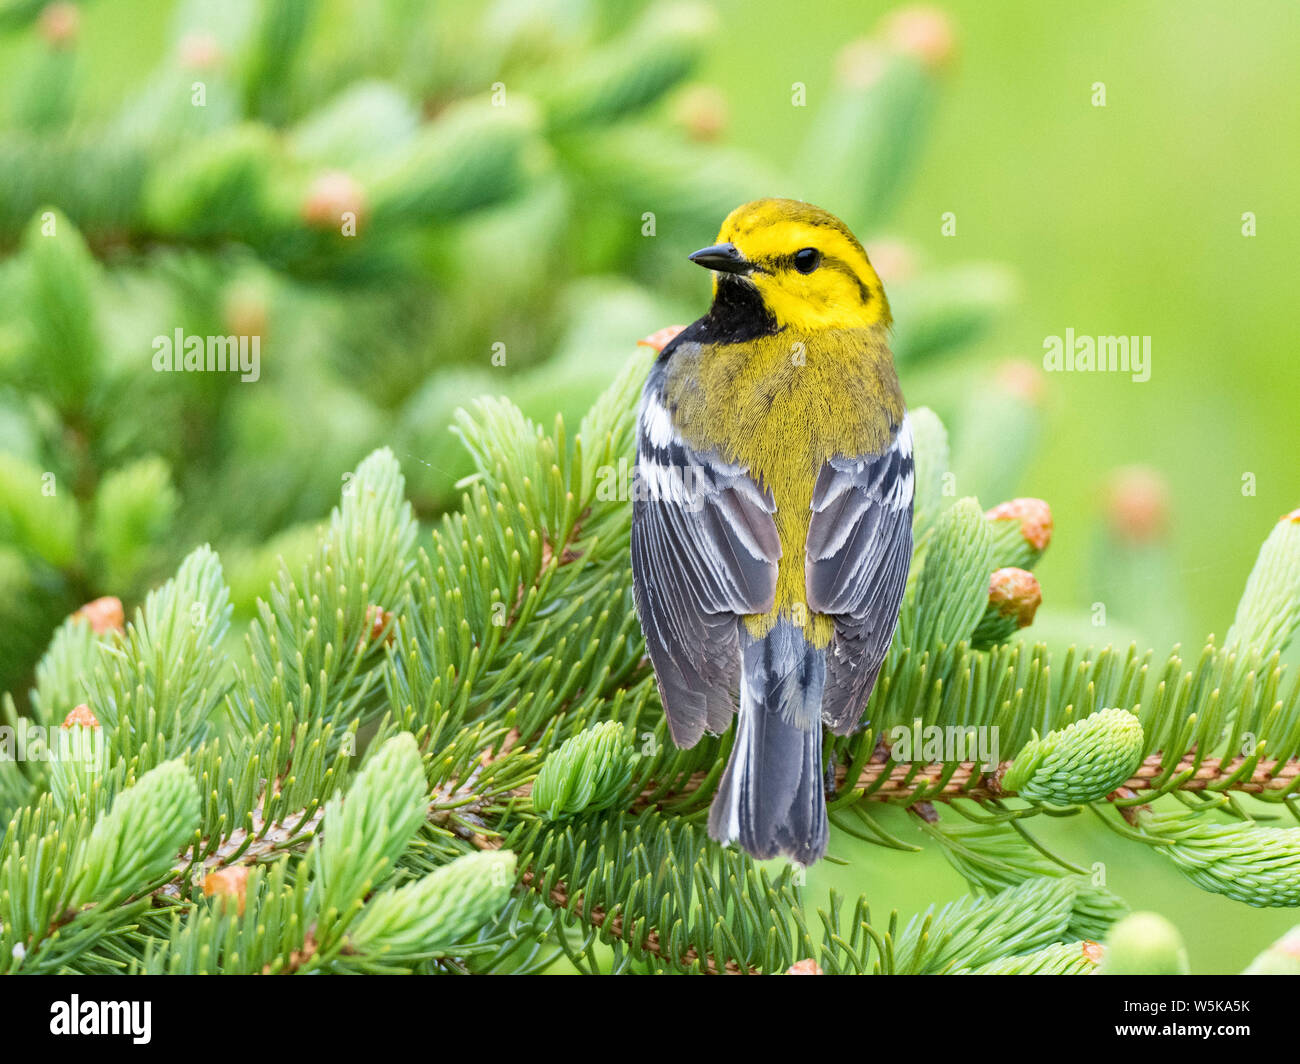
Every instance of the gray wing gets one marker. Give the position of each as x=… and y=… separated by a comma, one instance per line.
x=704, y=551
x=858, y=553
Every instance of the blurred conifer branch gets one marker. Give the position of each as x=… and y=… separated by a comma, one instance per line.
x=337, y=185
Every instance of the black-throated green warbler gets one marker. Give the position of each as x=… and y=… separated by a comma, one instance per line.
x=772, y=514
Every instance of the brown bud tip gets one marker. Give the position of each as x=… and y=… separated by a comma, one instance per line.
x=200, y=51
x=59, y=24
x=1139, y=504
x=926, y=811
x=103, y=614
x=1022, y=380
x=661, y=339
x=81, y=715
x=1015, y=593
x=921, y=31
x=229, y=882
x=1092, y=950
x=894, y=261
x=331, y=195
x=861, y=64
x=702, y=111
x=378, y=618
x=1293, y=517
x=805, y=967
x=1035, y=518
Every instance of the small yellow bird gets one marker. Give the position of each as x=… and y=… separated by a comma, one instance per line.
x=772, y=514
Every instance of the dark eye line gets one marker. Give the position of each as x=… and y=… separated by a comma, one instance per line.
x=787, y=262
x=829, y=262
x=843, y=267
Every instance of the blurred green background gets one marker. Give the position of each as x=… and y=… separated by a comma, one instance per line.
x=1122, y=219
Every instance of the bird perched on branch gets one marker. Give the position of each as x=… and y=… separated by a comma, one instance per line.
x=772, y=514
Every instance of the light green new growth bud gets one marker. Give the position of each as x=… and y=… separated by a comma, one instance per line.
x=1014, y=598
x=1269, y=610
x=1144, y=944
x=589, y=771
x=80, y=755
x=953, y=588
x=366, y=831
x=1064, y=958
x=1080, y=763
x=73, y=652
x=136, y=841
x=1281, y=958
x=1257, y=865
x=1022, y=530
x=426, y=918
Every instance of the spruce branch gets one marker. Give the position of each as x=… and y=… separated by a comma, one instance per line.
x=156, y=686
x=317, y=645
x=506, y=709
x=97, y=874
x=497, y=671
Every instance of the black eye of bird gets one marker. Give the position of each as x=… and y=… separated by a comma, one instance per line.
x=807, y=259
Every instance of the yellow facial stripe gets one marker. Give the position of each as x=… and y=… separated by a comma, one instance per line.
x=809, y=305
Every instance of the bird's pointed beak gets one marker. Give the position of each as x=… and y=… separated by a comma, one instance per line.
x=725, y=258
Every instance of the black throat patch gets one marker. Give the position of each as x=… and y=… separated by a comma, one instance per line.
x=738, y=314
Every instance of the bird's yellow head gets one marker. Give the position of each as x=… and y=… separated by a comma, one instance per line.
x=807, y=267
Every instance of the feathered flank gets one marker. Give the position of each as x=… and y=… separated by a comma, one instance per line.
x=859, y=550
x=704, y=552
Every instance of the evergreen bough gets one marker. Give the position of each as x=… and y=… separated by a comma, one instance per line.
x=322, y=180
x=423, y=759
x=444, y=752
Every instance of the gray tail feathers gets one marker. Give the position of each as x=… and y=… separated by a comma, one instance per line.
x=771, y=799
